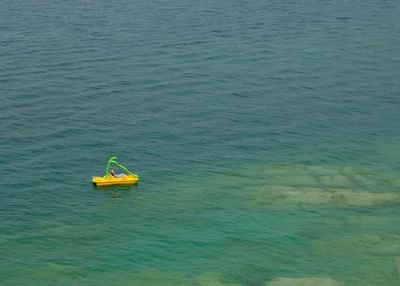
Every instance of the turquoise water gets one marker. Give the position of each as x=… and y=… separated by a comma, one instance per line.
x=265, y=133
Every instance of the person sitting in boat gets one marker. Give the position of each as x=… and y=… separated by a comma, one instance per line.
x=114, y=174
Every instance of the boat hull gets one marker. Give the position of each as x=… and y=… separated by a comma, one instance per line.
x=110, y=180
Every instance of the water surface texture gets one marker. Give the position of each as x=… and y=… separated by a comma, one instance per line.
x=265, y=133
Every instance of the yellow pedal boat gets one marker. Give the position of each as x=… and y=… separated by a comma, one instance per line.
x=109, y=179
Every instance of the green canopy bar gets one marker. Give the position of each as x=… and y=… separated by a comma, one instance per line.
x=111, y=162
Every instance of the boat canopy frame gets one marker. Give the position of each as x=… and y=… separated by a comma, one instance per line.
x=111, y=162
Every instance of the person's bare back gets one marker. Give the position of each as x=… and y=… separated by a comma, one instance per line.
x=114, y=174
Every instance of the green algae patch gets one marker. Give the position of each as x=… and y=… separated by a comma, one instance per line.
x=305, y=281
x=212, y=279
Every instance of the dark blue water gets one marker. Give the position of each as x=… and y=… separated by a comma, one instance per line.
x=265, y=134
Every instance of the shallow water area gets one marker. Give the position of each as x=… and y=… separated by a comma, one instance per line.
x=265, y=135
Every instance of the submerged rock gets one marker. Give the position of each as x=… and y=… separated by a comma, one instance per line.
x=297, y=184
x=358, y=178
x=311, y=176
x=386, y=249
x=304, y=176
x=321, y=196
x=152, y=277
x=395, y=182
x=338, y=181
x=369, y=245
x=156, y=277
x=212, y=279
x=322, y=170
x=297, y=181
x=305, y=281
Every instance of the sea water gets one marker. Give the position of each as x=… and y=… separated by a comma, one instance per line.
x=265, y=134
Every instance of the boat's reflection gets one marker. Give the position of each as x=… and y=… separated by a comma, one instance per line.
x=117, y=190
